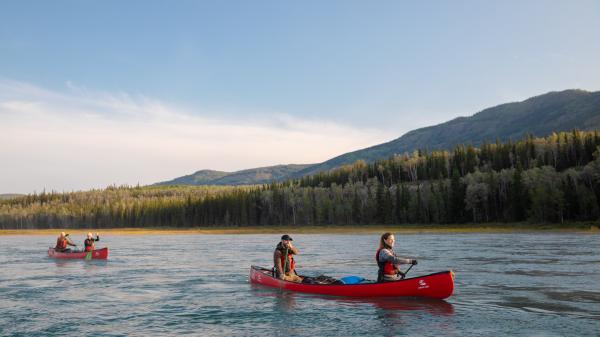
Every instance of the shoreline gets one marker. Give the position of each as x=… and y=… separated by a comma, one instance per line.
x=588, y=228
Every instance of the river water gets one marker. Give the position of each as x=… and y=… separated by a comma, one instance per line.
x=539, y=284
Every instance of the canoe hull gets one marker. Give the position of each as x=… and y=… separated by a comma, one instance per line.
x=438, y=285
x=98, y=254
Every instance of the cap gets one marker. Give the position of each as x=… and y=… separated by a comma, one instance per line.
x=287, y=237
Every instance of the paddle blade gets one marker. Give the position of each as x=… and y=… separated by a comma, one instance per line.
x=88, y=256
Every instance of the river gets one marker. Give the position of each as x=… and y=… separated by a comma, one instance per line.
x=521, y=284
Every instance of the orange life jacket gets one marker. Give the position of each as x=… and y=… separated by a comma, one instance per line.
x=387, y=268
x=61, y=243
x=291, y=263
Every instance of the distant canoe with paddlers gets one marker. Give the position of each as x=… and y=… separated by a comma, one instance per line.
x=98, y=254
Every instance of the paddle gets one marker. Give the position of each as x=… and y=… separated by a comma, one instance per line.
x=285, y=263
x=406, y=272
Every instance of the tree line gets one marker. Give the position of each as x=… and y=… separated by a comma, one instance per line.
x=551, y=179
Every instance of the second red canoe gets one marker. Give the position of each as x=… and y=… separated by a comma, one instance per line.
x=98, y=254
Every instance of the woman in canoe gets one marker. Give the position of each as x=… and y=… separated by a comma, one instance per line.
x=89, y=242
x=388, y=262
x=283, y=258
x=63, y=242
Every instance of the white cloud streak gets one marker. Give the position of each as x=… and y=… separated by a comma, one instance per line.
x=81, y=139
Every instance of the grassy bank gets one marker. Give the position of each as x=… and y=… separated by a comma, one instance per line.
x=586, y=227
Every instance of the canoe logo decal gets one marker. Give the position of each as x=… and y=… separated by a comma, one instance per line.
x=423, y=284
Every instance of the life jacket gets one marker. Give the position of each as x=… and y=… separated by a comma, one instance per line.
x=387, y=268
x=61, y=243
x=291, y=265
x=89, y=245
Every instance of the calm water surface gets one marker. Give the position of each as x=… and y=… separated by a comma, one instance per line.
x=506, y=284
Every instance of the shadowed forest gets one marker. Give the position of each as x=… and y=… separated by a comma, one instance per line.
x=552, y=179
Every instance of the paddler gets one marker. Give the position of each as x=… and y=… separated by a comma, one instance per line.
x=388, y=262
x=89, y=242
x=283, y=258
x=63, y=242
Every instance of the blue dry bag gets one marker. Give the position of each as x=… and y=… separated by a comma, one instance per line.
x=352, y=279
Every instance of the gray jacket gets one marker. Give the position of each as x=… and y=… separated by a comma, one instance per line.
x=388, y=255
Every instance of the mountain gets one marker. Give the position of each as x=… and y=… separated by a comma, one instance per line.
x=259, y=175
x=203, y=177
x=539, y=115
x=5, y=196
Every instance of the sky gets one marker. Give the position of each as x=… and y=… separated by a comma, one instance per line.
x=96, y=93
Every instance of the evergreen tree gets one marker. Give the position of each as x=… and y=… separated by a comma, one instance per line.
x=457, y=198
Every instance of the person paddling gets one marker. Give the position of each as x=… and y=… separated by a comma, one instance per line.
x=89, y=242
x=63, y=242
x=388, y=262
x=283, y=258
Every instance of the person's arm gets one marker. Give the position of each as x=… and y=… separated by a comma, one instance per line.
x=386, y=256
x=97, y=237
x=277, y=262
x=293, y=249
x=69, y=242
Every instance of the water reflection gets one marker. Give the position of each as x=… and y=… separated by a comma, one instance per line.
x=430, y=305
x=60, y=262
x=87, y=264
x=284, y=300
x=287, y=301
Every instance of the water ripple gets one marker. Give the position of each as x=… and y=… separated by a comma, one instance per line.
x=190, y=285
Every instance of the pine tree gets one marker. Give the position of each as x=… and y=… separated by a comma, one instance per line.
x=457, y=198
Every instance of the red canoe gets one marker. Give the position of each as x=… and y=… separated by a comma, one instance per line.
x=98, y=254
x=439, y=285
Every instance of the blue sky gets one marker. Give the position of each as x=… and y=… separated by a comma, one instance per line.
x=261, y=82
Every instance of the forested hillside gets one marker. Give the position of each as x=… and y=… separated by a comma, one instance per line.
x=550, y=179
x=261, y=175
x=540, y=115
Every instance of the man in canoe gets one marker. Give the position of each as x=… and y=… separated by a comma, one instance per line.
x=388, y=262
x=283, y=258
x=89, y=242
x=63, y=242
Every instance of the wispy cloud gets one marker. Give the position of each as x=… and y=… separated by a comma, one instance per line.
x=81, y=138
